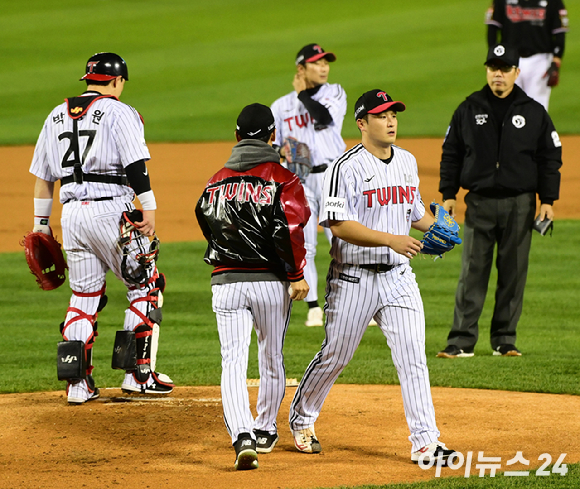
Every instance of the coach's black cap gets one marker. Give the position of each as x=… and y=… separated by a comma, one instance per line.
x=375, y=102
x=255, y=122
x=504, y=54
x=312, y=53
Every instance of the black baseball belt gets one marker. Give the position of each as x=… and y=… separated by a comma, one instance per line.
x=378, y=267
x=319, y=168
x=95, y=177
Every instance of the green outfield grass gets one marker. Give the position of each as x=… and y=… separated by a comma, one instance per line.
x=193, y=65
x=189, y=347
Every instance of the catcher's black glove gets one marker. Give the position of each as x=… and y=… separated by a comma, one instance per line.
x=553, y=74
x=443, y=235
x=297, y=156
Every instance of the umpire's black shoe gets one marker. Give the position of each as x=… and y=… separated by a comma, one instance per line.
x=265, y=441
x=507, y=351
x=246, y=455
x=453, y=351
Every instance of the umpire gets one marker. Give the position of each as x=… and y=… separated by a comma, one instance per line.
x=503, y=148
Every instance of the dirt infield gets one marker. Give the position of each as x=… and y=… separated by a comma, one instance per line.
x=182, y=441
x=179, y=173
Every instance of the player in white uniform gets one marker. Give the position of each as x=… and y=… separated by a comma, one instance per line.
x=371, y=200
x=313, y=114
x=94, y=144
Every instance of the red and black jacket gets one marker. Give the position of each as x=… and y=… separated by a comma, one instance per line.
x=252, y=213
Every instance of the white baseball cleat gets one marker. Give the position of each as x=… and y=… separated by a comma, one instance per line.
x=433, y=452
x=305, y=440
x=315, y=317
x=159, y=384
x=80, y=393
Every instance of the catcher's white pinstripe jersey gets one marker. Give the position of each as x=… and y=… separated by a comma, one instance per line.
x=381, y=196
x=111, y=137
x=293, y=120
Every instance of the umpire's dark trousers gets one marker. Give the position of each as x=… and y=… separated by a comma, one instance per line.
x=507, y=222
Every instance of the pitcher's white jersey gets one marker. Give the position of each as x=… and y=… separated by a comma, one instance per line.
x=383, y=196
x=108, y=138
x=293, y=120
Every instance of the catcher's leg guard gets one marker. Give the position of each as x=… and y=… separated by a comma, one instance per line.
x=71, y=361
x=145, y=311
x=124, y=351
x=80, y=327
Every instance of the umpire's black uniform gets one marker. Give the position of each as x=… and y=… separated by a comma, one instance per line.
x=503, y=164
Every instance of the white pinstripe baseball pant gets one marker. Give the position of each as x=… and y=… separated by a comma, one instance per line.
x=90, y=233
x=393, y=298
x=239, y=307
x=313, y=192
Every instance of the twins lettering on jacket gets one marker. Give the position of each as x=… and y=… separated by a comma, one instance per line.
x=242, y=192
x=390, y=195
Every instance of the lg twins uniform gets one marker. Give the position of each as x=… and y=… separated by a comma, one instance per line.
x=326, y=144
x=365, y=282
x=94, y=137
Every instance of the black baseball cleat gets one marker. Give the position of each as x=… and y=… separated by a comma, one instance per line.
x=453, y=351
x=246, y=455
x=161, y=385
x=265, y=441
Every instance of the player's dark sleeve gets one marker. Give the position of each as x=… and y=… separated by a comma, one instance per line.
x=138, y=177
x=452, y=158
x=549, y=161
x=199, y=214
x=291, y=213
x=317, y=111
x=558, y=25
x=558, y=44
x=492, y=31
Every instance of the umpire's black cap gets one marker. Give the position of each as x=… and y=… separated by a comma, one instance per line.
x=311, y=53
x=504, y=54
x=255, y=122
x=375, y=102
x=105, y=67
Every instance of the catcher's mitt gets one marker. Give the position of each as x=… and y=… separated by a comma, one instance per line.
x=443, y=235
x=45, y=259
x=553, y=74
x=297, y=156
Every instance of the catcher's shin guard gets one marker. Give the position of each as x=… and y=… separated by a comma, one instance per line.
x=124, y=351
x=71, y=361
x=79, y=327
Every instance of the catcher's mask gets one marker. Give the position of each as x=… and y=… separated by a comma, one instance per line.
x=133, y=244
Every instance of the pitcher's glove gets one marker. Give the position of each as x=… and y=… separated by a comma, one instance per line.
x=443, y=235
x=45, y=259
x=553, y=74
x=297, y=156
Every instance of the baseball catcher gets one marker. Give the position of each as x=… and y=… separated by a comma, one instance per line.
x=45, y=259
x=297, y=156
x=443, y=235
